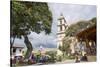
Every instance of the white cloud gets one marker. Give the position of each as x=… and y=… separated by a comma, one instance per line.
x=47, y=41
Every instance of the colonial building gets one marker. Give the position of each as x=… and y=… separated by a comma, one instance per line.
x=88, y=36
x=62, y=26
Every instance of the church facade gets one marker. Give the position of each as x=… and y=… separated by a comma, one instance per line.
x=62, y=26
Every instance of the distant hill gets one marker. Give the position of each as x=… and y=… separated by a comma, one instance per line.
x=45, y=46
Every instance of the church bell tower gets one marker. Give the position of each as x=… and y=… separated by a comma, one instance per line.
x=61, y=26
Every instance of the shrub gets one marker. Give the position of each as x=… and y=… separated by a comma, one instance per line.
x=52, y=55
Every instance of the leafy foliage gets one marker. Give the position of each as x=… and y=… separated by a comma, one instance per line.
x=52, y=55
x=29, y=16
x=26, y=17
x=93, y=21
x=66, y=45
x=74, y=28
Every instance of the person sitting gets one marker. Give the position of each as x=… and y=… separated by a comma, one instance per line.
x=84, y=58
x=77, y=59
x=32, y=59
x=41, y=59
x=44, y=59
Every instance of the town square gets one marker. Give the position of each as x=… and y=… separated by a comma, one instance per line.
x=43, y=33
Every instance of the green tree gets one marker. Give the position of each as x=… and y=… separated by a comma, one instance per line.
x=93, y=21
x=75, y=28
x=26, y=17
x=65, y=48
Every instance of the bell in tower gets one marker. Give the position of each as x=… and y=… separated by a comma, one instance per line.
x=62, y=26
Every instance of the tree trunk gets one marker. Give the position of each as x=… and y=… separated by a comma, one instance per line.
x=12, y=42
x=11, y=45
x=29, y=47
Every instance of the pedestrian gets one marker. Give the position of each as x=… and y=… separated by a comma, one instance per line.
x=84, y=58
x=77, y=59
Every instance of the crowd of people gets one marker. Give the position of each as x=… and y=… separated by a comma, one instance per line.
x=33, y=59
x=38, y=58
x=41, y=58
x=81, y=59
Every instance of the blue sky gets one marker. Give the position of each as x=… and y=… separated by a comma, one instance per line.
x=72, y=14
